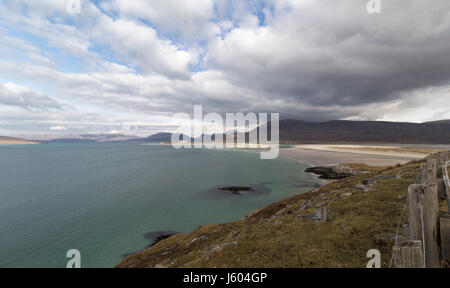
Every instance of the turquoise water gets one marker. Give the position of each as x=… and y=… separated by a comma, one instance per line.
x=102, y=198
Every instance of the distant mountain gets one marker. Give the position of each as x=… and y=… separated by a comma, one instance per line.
x=71, y=140
x=11, y=140
x=160, y=138
x=339, y=131
x=439, y=122
x=298, y=131
x=105, y=138
x=95, y=138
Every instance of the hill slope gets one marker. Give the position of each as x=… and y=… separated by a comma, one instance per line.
x=333, y=226
x=295, y=131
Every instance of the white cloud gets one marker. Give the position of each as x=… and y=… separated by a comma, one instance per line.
x=58, y=128
x=139, y=44
x=23, y=97
x=189, y=19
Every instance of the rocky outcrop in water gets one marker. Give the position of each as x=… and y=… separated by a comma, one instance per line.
x=331, y=172
x=237, y=190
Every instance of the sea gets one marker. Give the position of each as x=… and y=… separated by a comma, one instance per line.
x=110, y=200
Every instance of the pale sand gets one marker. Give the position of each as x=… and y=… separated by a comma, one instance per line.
x=338, y=154
x=17, y=143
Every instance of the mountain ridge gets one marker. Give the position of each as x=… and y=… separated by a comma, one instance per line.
x=294, y=131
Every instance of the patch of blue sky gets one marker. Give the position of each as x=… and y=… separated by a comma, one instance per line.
x=64, y=62
x=262, y=11
x=198, y=67
x=102, y=6
x=107, y=55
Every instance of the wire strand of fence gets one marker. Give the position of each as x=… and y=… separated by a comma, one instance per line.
x=398, y=228
x=416, y=180
x=423, y=237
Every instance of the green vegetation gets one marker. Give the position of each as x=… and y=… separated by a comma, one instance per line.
x=358, y=219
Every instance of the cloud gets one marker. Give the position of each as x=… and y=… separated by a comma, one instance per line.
x=139, y=45
x=121, y=63
x=23, y=97
x=132, y=42
x=58, y=128
x=325, y=54
x=189, y=20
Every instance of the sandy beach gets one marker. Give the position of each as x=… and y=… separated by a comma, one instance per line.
x=6, y=142
x=339, y=154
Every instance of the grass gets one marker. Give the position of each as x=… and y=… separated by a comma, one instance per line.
x=273, y=237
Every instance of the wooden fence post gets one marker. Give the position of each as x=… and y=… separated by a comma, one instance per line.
x=409, y=255
x=445, y=236
x=422, y=172
x=446, y=181
x=428, y=200
x=415, y=222
x=424, y=221
x=431, y=172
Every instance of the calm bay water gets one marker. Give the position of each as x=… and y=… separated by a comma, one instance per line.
x=102, y=198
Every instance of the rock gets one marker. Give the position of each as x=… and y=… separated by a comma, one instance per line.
x=202, y=237
x=220, y=247
x=321, y=204
x=234, y=235
x=324, y=195
x=282, y=212
x=236, y=190
x=166, y=252
x=317, y=216
x=360, y=186
x=331, y=172
x=164, y=264
x=383, y=177
x=305, y=205
x=369, y=181
x=158, y=236
x=364, y=188
x=276, y=223
x=344, y=195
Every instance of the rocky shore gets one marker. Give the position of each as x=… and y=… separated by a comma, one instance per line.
x=331, y=172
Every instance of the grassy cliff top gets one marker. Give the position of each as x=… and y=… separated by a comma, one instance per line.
x=333, y=226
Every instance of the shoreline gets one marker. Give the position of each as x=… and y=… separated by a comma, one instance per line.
x=327, y=155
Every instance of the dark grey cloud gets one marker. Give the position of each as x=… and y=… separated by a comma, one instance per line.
x=328, y=53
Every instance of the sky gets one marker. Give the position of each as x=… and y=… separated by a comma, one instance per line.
x=127, y=66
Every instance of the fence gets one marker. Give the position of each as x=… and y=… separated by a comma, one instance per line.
x=429, y=229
